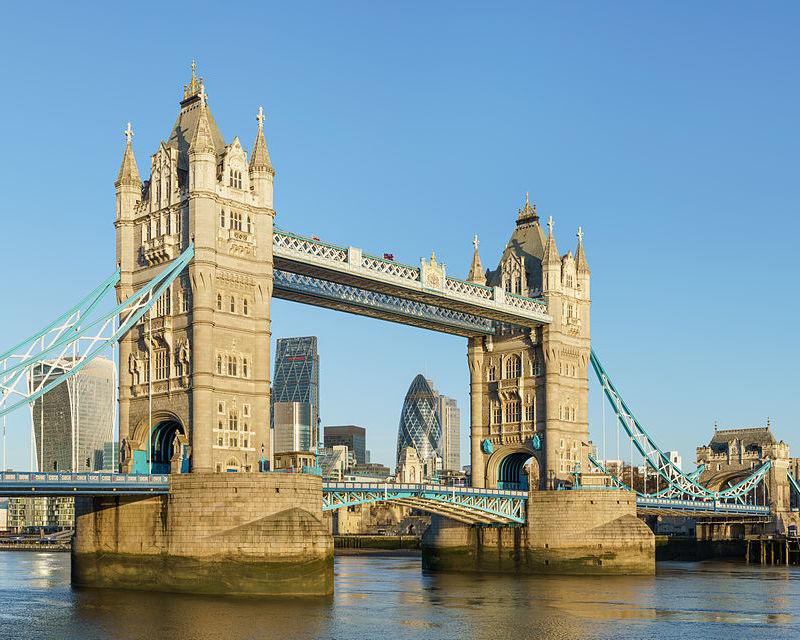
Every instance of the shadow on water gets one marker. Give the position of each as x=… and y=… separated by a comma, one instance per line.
x=379, y=597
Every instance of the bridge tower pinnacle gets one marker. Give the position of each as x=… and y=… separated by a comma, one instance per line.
x=194, y=374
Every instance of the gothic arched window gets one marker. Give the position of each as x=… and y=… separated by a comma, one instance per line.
x=244, y=306
x=233, y=304
x=492, y=373
x=244, y=368
x=219, y=302
x=219, y=365
x=222, y=218
x=518, y=286
x=249, y=225
x=513, y=367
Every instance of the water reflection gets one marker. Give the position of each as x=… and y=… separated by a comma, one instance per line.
x=380, y=597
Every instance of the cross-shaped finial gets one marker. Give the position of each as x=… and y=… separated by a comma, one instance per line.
x=550, y=225
x=260, y=117
x=128, y=133
x=433, y=257
x=476, y=242
x=580, y=235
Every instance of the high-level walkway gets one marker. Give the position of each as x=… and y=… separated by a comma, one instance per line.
x=346, y=279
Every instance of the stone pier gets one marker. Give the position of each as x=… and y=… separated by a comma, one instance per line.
x=567, y=532
x=214, y=533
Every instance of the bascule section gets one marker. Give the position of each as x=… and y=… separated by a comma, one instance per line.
x=193, y=386
x=529, y=385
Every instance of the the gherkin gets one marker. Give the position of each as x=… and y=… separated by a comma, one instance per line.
x=419, y=423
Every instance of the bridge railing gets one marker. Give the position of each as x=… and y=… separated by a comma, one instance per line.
x=96, y=477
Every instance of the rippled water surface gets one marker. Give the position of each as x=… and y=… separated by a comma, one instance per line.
x=390, y=597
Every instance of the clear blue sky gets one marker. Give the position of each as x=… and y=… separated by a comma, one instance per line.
x=668, y=130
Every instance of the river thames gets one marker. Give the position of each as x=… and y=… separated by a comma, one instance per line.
x=390, y=597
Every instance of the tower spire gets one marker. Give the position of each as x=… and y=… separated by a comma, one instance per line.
x=259, y=159
x=550, y=250
x=581, y=264
x=476, y=273
x=128, y=172
x=202, y=142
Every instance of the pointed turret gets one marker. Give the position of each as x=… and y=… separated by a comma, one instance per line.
x=261, y=171
x=128, y=172
x=202, y=141
x=580, y=257
x=259, y=159
x=476, y=273
x=550, y=250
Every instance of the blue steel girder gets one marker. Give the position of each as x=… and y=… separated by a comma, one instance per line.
x=77, y=484
x=350, y=299
x=349, y=266
x=59, y=354
x=699, y=508
x=468, y=505
x=657, y=459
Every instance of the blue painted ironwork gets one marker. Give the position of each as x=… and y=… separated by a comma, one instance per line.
x=350, y=267
x=674, y=506
x=683, y=484
x=465, y=504
x=793, y=483
x=90, y=332
x=383, y=303
x=75, y=484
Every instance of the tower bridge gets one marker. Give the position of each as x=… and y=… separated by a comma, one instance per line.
x=199, y=262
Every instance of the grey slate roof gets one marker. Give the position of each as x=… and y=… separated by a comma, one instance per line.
x=757, y=435
x=528, y=241
x=183, y=131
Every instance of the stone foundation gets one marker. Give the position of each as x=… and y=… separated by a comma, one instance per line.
x=567, y=532
x=216, y=533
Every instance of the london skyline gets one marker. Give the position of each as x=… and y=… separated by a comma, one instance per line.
x=689, y=140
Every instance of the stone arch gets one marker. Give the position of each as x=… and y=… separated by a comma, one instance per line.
x=504, y=467
x=232, y=464
x=167, y=428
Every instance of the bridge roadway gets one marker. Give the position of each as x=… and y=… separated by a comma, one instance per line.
x=493, y=507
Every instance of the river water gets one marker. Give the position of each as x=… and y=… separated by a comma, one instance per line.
x=390, y=597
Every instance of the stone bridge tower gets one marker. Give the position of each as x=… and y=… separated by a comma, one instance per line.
x=194, y=373
x=529, y=387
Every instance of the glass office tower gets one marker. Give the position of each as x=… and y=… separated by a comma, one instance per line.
x=295, y=395
x=73, y=422
x=419, y=423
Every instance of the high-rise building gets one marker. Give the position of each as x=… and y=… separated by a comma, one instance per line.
x=73, y=421
x=351, y=436
x=450, y=445
x=419, y=423
x=295, y=394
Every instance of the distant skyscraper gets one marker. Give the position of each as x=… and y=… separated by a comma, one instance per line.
x=73, y=421
x=419, y=425
x=351, y=436
x=295, y=394
x=450, y=419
